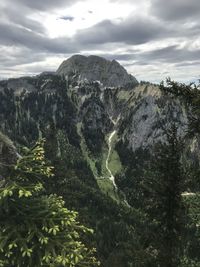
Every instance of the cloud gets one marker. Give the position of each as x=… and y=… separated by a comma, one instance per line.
x=188, y=64
x=20, y=12
x=40, y=5
x=175, y=9
x=125, y=56
x=15, y=61
x=13, y=35
x=168, y=53
x=171, y=54
x=69, y=18
x=148, y=40
x=17, y=57
x=137, y=30
x=16, y=18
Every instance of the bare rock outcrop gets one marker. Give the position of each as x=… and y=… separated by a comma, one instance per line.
x=8, y=156
x=94, y=68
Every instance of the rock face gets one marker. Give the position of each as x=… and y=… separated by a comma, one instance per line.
x=150, y=113
x=94, y=68
x=8, y=156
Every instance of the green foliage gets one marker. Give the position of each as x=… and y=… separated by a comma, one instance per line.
x=190, y=94
x=192, y=202
x=163, y=188
x=36, y=229
x=26, y=116
x=155, y=187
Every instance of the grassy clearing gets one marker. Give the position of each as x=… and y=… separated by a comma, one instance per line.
x=124, y=95
x=108, y=188
x=104, y=171
x=105, y=185
x=114, y=163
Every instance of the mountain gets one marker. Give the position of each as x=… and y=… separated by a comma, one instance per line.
x=109, y=73
x=87, y=100
x=101, y=127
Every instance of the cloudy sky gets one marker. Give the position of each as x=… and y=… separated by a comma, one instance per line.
x=152, y=39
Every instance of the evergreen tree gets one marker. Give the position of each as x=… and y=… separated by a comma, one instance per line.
x=190, y=96
x=36, y=229
x=163, y=201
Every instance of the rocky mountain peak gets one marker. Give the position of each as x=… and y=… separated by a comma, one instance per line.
x=95, y=68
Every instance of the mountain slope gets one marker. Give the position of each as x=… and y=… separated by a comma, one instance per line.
x=85, y=110
x=100, y=126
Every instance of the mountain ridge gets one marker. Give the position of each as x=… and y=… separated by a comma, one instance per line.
x=75, y=70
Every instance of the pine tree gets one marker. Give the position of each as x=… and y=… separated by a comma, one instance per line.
x=36, y=229
x=163, y=202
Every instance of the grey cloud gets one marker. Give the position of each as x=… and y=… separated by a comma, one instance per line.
x=175, y=9
x=70, y=18
x=29, y=24
x=172, y=54
x=21, y=57
x=130, y=31
x=37, y=69
x=18, y=12
x=21, y=19
x=165, y=19
x=188, y=64
x=139, y=63
x=122, y=1
x=41, y=5
x=120, y=57
x=17, y=62
x=12, y=35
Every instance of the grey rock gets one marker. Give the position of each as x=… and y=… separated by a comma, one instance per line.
x=148, y=114
x=8, y=156
x=94, y=68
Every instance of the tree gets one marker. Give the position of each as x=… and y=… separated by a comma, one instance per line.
x=190, y=96
x=36, y=229
x=163, y=201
